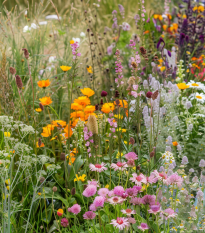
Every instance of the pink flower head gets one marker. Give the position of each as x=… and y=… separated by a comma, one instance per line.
x=134, y=94
x=152, y=179
x=131, y=192
x=120, y=223
x=92, y=207
x=168, y=213
x=89, y=215
x=93, y=182
x=119, y=166
x=143, y=227
x=128, y=212
x=111, y=193
x=131, y=220
x=149, y=199
x=115, y=200
x=138, y=180
x=75, y=209
x=135, y=87
x=64, y=222
x=136, y=201
x=99, y=201
x=103, y=192
x=131, y=155
x=90, y=191
x=118, y=190
x=175, y=179
x=154, y=209
x=97, y=167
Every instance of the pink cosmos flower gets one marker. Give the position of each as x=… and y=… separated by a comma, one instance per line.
x=168, y=213
x=136, y=201
x=131, y=155
x=97, y=167
x=138, y=180
x=64, y=222
x=99, y=201
x=120, y=223
x=119, y=166
x=143, y=227
x=115, y=200
x=118, y=190
x=149, y=199
x=154, y=209
x=89, y=215
x=128, y=212
x=103, y=192
x=175, y=179
x=90, y=191
x=75, y=209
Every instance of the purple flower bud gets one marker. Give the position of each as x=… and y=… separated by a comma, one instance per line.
x=159, y=43
x=187, y=39
x=142, y=73
x=149, y=94
x=201, y=38
x=103, y=93
x=181, y=39
x=148, y=20
x=169, y=53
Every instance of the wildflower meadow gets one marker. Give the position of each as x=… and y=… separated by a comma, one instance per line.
x=102, y=116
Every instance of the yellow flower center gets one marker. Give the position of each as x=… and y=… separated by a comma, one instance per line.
x=198, y=97
x=195, y=84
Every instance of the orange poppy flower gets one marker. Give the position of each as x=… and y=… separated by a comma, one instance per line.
x=175, y=143
x=44, y=83
x=108, y=107
x=145, y=32
x=87, y=91
x=58, y=123
x=76, y=106
x=77, y=114
x=67, y=135
x=46, y=100
x=89, y=109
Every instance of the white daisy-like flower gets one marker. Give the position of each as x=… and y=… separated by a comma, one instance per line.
x=196, y=85
x=97, y=167
x=53, y=17
x=120, y=223
x=128, y=212
x=198, y=96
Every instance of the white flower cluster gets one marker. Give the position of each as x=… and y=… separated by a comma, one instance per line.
x=167, y=159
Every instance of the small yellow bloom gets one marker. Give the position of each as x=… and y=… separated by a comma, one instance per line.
x=81, y=178
x=7, y=134
x=89, y=69
x=118, y=155
x=46, y=100
x=182, y=86
x=8, y=187
x=162, y=68
x=72, y=41
x=39, y=194
x=38, y=110
x=7, y=181
x=107, y=186
x=65, y=68
x=118, y=116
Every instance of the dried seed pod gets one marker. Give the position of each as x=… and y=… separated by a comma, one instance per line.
x=54, y=189
x=42, y=179
x=41, y=106
x=152, y=154
x=117, y=94
x=117, y=102
x=132, y=141
x=19, y=82
x=39, y=142
x=62, y=156
x=73, y=191
x=155, y=95
x=12, y=70
x=26, y=53
x=143, y=50
x=134, y=64
x=93, y=124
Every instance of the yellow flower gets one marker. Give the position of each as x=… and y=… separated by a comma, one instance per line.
x=122, y=104
x=60, y=212
x=87, y=91
x=89, y=69
x=58, y=123
x=44, y=83
x=164, y=27
x=107, y=186
x=182, y=86
x=162, y=68
x=82, y=100
x=118, y=155
x=65, y=68
x=122, y=130
x=38, y=110
x=89, y=109
x=76, y=106
x=8, y=187
x=81, y=178
x=125, y=142
x=7, y=181
x=39, y=194
x=47, y=130
x=46, y=100
x=7, y=134
x=118, y=116
x=72, y=41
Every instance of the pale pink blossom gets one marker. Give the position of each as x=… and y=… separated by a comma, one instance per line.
x=134, y=93
x=143, y=227
x=175, y=179
x=168, y=213
x=128, y=212
x=138, y=180
x=89, y=215
x=115, y=200
x=103, y=192
x=118, y=190
x=154, y=209
x=98, y=167
x=120, y=223
x=131, y=220
x=93, y=182
x=92, y=207
x=99, y=201
x=131, y=155
x=135, y=87
x=136, y=201
x=149, y=199
x=119, y=166
x=90, y=191
x=75, y=209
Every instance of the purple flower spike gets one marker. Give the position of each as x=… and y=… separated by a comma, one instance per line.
x=148, y=20
x=169, y=53
x=181, y=39
x=201, y=38
x=159, y=43
x=187, y=38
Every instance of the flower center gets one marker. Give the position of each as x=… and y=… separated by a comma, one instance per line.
x=128, y=211
x=98, y=166
x=160, y=174
x=120, y=221
x=138, y=178
x=198, y=97
x=195, y=84
x=115, y=199
x=119, y=164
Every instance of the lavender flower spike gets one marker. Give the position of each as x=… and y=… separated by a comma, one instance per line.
x=159, y=43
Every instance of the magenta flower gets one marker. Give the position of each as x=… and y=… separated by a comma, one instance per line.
x=131, y=155
x=138, y=180
x=75, y=209
x=120, y=223
x=90, y=191
x=118, y=190
x=136, y=201
x=132, y=191
x=128, y=212
x=99, y=201
x=143, y=227
x=98, y=167
x=119, y=166
x=115, y=200
x=89, y=215
x=154, y=209
x=92, y=207
x=168, y=213
x=64, y=222
x=149, y=199
x=103, y=192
